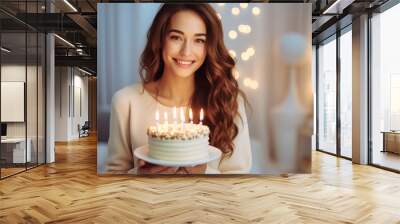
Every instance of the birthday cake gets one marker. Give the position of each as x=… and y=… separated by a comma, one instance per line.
x=178, y=142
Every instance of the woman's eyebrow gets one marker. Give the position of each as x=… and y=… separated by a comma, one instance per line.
x=201, y=34
x=180, y=32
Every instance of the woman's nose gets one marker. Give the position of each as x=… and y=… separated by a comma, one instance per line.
x=186, y=48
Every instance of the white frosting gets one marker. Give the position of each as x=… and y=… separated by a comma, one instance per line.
x=187, y=144
x=178, y=131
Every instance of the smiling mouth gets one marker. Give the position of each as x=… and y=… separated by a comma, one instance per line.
x=183, y=63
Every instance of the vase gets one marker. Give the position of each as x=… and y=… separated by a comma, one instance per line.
x=287, y=117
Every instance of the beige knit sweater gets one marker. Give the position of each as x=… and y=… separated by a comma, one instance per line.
x=133, y=111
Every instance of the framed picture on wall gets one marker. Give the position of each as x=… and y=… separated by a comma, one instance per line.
x=12, y=101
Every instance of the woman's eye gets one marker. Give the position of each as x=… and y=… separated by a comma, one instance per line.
x=201, y=41
x=175, y=38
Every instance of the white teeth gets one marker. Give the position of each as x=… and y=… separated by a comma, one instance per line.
x=184, y=62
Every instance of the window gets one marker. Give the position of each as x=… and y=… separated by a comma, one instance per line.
x=346, y=93
x=385, y=88
x=327, y=96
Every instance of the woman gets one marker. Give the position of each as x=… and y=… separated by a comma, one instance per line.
x=185, y=63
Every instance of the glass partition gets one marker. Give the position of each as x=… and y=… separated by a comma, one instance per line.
x=22, y=78
x=14, y=153
x=32, y=95
x=41, y=91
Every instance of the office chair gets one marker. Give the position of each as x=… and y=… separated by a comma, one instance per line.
x=84, y=130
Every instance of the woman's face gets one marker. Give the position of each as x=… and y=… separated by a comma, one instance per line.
x=184, y=49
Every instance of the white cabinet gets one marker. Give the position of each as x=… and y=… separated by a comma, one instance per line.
x=17, y=146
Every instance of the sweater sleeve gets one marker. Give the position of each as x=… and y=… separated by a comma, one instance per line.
x=119, y=158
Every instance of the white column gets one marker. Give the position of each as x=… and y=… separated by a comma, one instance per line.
x=50, y=100
x=360, y=90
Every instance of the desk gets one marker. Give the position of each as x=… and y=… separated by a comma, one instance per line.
x=16, y=147
x=391, y=141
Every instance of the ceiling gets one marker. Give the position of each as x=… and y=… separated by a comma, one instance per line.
x=76, y=22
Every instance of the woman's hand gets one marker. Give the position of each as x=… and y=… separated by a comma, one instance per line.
x=199, y=169
x=149, y=168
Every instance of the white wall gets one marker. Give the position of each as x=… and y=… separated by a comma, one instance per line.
x=79, y=117
x=33, y=127
x=61, y=103
x=70, y=83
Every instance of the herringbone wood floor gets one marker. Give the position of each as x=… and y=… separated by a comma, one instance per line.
x=70, y=191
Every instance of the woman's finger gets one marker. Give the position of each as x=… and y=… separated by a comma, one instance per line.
x=141, y=162
x=169, y=170
x=199, y=169
x=181, y=171
x=155, y=169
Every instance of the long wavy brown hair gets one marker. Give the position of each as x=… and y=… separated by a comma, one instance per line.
x=216, y=90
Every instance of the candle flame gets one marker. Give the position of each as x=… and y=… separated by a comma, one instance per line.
x=190, y=114
x=201, y=114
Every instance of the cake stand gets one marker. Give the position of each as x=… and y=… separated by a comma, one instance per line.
x=143, y=153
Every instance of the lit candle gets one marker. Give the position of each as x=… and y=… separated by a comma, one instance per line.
x=182, y=115
x=174, y=117
x=201, y=116
x=174, y=114
x=191, y=115
x=166, y=119
x=157, y=119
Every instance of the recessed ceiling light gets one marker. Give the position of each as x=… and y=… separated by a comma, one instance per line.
x=65, y=41
x=84, y=71
x=5, y=50
x=70, y=5
x=333, y=8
